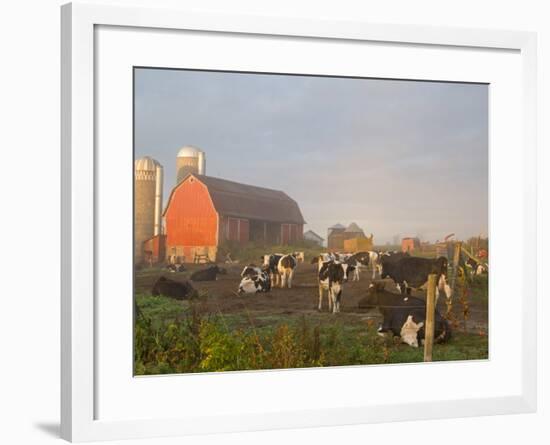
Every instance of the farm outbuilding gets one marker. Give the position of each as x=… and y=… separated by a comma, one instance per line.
x=335, y=237
x=339, y=234
x=410, y=244
x=353, y=231
x=310, y=235
x=203, y=212
x=154, y=249
x=358, y=244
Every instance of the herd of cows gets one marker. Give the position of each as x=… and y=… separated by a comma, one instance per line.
x=403, y=315
x=334, y=269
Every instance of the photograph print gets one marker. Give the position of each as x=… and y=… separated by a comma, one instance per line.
x=298, y=221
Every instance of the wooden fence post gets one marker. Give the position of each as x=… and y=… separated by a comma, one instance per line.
x=456, y=261
x=430, y=318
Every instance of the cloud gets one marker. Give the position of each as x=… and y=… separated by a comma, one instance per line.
x=394, y=156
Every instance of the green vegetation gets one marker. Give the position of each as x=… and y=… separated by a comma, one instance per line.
x=479, y=289
x=181, y=337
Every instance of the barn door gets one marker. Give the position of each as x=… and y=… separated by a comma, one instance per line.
x=232, y=229
x=285, y=233
x=244, y=230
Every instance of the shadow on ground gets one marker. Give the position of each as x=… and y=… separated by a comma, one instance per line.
x=50, y=428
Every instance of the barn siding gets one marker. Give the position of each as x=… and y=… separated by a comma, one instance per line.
x=237, y=229
x=291, y=233
x=244, y=230
x=232, y=229
x=285, y=234
x=191, y=219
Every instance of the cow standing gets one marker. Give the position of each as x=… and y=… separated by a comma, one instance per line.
x=286, y=267
x=331, y=276
x=357, y=260
x=269, y=264
x=375, y=260
x=412, y=273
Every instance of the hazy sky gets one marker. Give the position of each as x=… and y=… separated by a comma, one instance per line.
x=396, y=157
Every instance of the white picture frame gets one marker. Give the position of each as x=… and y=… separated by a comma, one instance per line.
x=80, y=420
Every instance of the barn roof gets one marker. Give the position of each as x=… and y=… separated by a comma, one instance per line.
x=337, y=226
x=354, y=228
x=248, y=201
x=311, y=232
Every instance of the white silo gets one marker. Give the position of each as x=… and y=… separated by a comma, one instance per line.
x=148, y=177
x=190, y=160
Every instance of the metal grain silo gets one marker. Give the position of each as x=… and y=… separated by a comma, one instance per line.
x=190, y=160
x=148, y=177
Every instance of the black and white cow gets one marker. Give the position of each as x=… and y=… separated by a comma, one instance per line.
x=412, y=273
x=409, y=331
x=175, y=268
x=323, y=257
x=251, y=270
x=287, y=266
x=254, y=280
x=476, y=267
x=357, y=260
x=339, y=256
x=252, y=285
x=375, y=261
x=270, y=262
x=208, y=274
x=173, y=289
x=331, y=276
x=396, y=311
x=393, y=256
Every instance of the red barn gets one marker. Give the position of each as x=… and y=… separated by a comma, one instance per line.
x=203, y=212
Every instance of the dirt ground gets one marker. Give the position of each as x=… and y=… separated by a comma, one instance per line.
x=302, y=299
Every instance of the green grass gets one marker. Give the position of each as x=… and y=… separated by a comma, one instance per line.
x=161, y=309
x=479, y=289
x=177, y=337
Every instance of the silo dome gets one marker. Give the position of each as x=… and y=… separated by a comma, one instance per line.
x=188, y=151
x=146, y=164
x=190, y=160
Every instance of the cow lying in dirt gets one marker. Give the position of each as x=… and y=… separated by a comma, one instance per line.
x=173, y=289
x=208, y=274
x=254, y=280
x=175, y=268
x=409, y=332
x=396, y=310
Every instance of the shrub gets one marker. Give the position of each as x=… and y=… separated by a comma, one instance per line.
x=195, y=342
